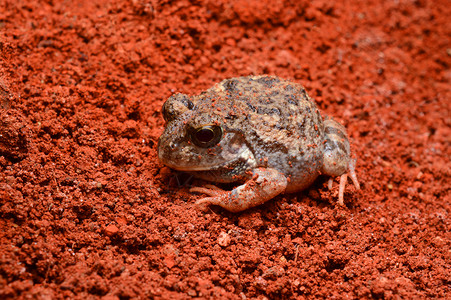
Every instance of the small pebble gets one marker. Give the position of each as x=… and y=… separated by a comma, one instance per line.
x=224, y=239
x=111, y=230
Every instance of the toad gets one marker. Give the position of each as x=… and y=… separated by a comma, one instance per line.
x=261, y=131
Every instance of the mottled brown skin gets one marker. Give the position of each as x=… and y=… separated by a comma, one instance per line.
x=260, y=130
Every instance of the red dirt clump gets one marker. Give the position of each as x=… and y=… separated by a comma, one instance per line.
x=87, y=210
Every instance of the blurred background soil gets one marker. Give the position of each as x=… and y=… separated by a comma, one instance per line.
x=88, y=211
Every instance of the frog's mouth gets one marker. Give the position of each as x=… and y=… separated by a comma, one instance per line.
x=230, y=171
x=243, y=158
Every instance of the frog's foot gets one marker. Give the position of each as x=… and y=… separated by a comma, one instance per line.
x=265, y=184
x=343, y=180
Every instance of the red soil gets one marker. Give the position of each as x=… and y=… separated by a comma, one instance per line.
x=87, y=210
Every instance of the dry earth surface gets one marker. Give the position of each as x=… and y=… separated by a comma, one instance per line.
x=87, y=210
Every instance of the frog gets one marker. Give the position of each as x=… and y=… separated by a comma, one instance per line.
x=262, y=132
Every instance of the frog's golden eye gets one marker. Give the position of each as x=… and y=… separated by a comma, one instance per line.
x=206, y=136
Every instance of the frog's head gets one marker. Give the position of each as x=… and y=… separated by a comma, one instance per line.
x=196, y=136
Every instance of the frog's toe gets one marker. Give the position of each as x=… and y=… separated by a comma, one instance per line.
x=209, y=190
x=217, y=196
x=353, y=175
x=220, y=200
x=213, y=187
x=343, y=181
x=330, y=183
x=204, y=203
x=341, y=190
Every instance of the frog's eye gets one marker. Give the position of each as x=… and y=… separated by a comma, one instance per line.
x=206, y=136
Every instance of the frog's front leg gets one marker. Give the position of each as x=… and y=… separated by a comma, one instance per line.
x=264, y=185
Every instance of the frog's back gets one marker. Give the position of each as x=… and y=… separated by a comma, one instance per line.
x=279, y=121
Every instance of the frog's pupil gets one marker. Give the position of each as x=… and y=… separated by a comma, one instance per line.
x=205, y=135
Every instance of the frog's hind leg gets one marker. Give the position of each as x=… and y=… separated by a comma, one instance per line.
x=337, y=161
